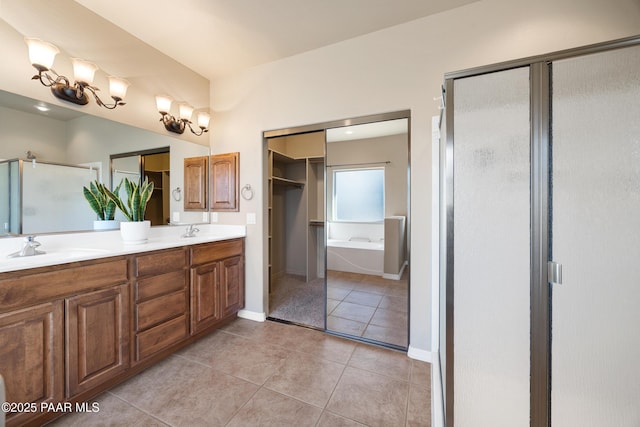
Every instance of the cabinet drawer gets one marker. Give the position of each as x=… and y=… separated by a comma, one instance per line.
x=159, y=309
x=161, y=285
x=215, y=251
x=160, y=262
x=30, y=287
x=161, y=337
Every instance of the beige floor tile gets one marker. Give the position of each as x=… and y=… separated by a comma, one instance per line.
x=111, y=412
x=307, y=379
x=373, y=288
x=321, y=345
x=345, y=326
x=237, y=356
x=245, y=328
x=419, y=407
x=394, y=303
x=331, y=305
x=270, y=409
x=332, y=420
x=381, y=361
x=394, y=336
x=364, y=298
x=357, y=312
x=390, y=318
x=337, y=293
x=184, y=393
x=372, y=399
x=421, y=373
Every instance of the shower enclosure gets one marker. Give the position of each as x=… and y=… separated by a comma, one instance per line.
x=541, y=275
x=32, y=202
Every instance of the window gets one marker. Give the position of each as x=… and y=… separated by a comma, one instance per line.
x=358, y=195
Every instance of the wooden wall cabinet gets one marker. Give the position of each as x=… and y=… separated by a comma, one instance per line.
x=224, y=172
x=217, y=282
x=32, y=357
x=195, y=183
x=97, y=337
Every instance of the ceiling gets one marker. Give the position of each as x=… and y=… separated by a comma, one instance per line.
x=220, y=37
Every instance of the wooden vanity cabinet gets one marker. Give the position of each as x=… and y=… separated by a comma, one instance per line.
x=32, y=357
x=71, y=331
x=97, y=337
x=217, y=282
x=161, y=313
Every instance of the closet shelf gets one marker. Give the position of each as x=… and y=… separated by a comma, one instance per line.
x=287, y=182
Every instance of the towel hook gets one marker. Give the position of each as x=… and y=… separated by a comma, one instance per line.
x=247, y=192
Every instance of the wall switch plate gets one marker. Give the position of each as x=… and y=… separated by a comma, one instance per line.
x=205, y=216
x=214, y=216
x=251, y=218
x=175, y=217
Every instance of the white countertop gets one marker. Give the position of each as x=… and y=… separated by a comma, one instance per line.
x=72, y=247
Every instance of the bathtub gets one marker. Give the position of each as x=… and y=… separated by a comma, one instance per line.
x=355, y=256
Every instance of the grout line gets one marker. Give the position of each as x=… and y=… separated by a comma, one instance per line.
x=139, y=409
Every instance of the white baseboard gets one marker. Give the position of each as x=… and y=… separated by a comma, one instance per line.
x=252, y=315
x=418, y=354
x=398, y=276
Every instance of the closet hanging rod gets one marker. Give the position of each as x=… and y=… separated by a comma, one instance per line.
x=360, y=164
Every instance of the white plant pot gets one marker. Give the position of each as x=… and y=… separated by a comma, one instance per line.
x=111, y=224
x=134, y=233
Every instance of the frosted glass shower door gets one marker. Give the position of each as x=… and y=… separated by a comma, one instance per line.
x=491, y=276
x=596, y=237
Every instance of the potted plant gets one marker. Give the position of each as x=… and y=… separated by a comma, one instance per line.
x=136, y=229
x=102, y=205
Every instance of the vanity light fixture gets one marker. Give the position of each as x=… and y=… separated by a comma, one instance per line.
x=42, y=54
x=178, y=124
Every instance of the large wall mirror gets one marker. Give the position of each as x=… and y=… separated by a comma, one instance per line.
x=56, y=151
x=367, y=217
x=338, y=227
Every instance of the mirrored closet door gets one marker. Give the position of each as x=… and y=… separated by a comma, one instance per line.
x=367, y=200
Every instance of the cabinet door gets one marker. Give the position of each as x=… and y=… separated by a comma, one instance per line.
x=205, y=291
x=224, y=181
x=97, y=337
x=31, y=356
x=232, y=285
x=195, y=183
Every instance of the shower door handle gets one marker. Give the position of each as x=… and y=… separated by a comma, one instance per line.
x=555, y=273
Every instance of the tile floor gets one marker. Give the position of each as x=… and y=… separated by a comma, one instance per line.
x=270, y=374
x=368, y=306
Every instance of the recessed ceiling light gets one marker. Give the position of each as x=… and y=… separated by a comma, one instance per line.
x=349, y=132
x=42, y=107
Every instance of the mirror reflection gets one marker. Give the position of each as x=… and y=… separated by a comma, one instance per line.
x=50, y=152
x=366, y=231
x=338, y=220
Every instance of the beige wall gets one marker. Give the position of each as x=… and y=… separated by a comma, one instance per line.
x=390, y=70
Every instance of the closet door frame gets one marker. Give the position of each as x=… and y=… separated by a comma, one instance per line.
x=540, y=289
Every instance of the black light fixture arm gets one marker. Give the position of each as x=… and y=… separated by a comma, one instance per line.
x=176, y=125
x=62, y=88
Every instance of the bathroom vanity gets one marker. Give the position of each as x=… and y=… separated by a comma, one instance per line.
x=93, y=312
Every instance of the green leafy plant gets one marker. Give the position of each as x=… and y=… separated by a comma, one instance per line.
x=138, y=196
x=99, y=201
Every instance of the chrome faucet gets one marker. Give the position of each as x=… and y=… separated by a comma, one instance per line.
x=191, y=231
x=29, y=248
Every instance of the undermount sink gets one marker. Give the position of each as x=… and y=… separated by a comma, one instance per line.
x=58, y=254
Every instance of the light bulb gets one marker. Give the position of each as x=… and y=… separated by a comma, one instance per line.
x=41, y=54
x=163, y=103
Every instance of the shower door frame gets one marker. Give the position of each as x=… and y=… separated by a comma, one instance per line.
x=540, y=216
